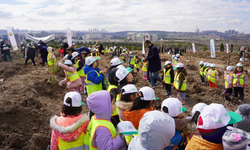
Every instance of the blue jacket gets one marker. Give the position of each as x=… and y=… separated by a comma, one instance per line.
x=43, y=51
x=70, y=58
x=130, y=56
x=154, y=59
x=79, y=50
x=92, y=76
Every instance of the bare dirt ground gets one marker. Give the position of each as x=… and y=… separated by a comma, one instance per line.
x=28, y=101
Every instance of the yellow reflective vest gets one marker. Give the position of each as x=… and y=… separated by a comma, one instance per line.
x=184, y=84
x=74, y=145
x=212, y=76
x=241, y=79
x=80, y=72
x=201, y=71
x=52, y=61
x=93, y=125
x=137, y=65
x=117, y=99
x=132, y=61
x=225, y=78
x=167, y=76
x=145, y=67
x=72, y=76
x=92, y=87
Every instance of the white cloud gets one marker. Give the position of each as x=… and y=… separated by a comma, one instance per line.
x=116, y=15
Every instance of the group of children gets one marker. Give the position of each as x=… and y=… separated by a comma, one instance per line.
x=235, y=80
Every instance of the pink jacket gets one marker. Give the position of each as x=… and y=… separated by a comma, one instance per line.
x=245, y=79
x=75, y=83
x=67, y=128
x=229, y=78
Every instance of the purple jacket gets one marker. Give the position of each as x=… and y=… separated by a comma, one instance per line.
x=154, y=59
x=100, y=103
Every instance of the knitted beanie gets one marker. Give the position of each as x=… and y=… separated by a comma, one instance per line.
x=235, y=139
x=244, y=111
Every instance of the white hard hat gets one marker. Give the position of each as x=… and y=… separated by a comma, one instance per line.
x=229, y=68
x=239, y=65
x=74, y=54
x=201, y=63
x=68, y=62
x=212, y=65
x=167, y=63
x=90, y=60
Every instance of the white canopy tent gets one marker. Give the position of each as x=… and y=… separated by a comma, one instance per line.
x=36, y=39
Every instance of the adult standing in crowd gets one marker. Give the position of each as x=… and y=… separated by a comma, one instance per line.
x=154, y=63
x=31, y=52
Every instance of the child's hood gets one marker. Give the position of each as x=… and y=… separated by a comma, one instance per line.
x=69, y=133
x=49, y=49
x=100, y=104
x=180, y=124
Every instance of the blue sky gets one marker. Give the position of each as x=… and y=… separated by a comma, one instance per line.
x=121, y=15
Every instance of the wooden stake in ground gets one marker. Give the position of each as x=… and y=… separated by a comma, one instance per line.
x=228, y=59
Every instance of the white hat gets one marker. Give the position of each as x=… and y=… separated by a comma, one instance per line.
x=74, y=54
x=174, y=107
x=115, y=61
x=201, y=63
x=167, y=63
x=73, y=43
x=212, y=65
x=130, y=53
x=126, y=128
x=124, y=50
x=179, y=65
x=121, y=73
x=68, y=62
x=76, y=99
x=129, y=88
x=241, y=59
x=239, y=65
x=215, y=116
x=97, y=50
x=173, y=56
x=177, y=55
x=114, y=46
x=229, y=68
x=49, y=49
x=205, y=64
x=90, y=60
x=147, y=94
x=208, y=64
x=198, y=107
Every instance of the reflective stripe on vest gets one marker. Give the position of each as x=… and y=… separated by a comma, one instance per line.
x=212, y=77
x=92, y=87
x=167, y=77
x=100, y=123
x=72, y=76
x=225, y=78
x=145, y=67
x=52, y=61
x=184, y=83
x=241, y=81
x=132, y=61
x=80, y=72
x=205, y=71
x=77, y=144
x=201, y=71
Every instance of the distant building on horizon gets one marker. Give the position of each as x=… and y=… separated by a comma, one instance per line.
x=142, y=37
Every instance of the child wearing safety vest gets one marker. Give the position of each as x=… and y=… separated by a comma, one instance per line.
x=173, y=56
x=72, y=123
x=51, y=59
x=240, y=81
x=168, y=77
x=113, y=89
x=213, y=77
x=175, y=62
x=228, y=77
x=137, y=63
x=206, y=69
x=94, y=77
x=145, y=69
x=79, y=68
x=131, y=60
x=178, y=58
x=101, y=133
x=173, y=108
x=72, y=79
x=201, y=64
x=180, y=82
